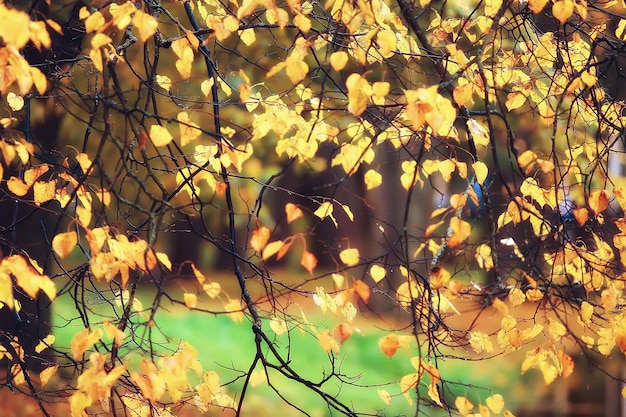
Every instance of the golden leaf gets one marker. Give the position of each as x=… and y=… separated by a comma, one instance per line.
x=234, y=310
x=212, y=289
x=145, y=24
x=160, y=136
x=83, y=340
x=562, y=10
x=515, y=100
x=46, y=374
x=64, y=243
x=271, y=249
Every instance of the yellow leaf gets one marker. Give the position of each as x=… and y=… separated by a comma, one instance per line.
x=279, y=326
x=515, y=100
x=556, y=329
x=212, y=289
x=46, y=374
x=537, y=5
x=359, y=92
x=64, y=243
x=189, y=131
x=83, y=340
x=517, y=296
x=199, y=275
x=350, y=257
x=234, y=310
x=377, y=273
x=463, y=405
x=145, y=24
x=79, y=401
x=339, y=60
x=495, y=403
x=44, y=191
x=384, y=395
x=480, y=342
x=114, y=332
x=45, y=343
x=191, y=300
x=407, y=384
x=302, y=22
x=562, y=10
x=372, y=179
x=481, y=171
x=328, y=342
x=271, y=249
x=14, y=101
x=160, y=136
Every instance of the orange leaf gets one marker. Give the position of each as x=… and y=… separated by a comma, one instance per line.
x=142, y=138
x=64, y=243
x=581, y=215
x=342, y=332
x=599, y=201
x=439, y=277
x=460, y=232
x=389, y=345
x=283, y=250
x=293, y=212
x=363, y=290
x=308, y=261
x=259, y=238
x=620, y=196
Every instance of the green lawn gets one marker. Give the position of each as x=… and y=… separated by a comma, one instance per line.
x=229, y=349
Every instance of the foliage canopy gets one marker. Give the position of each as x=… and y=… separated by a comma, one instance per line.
x=454, y=169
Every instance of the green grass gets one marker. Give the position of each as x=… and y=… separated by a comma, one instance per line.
x=229, y=349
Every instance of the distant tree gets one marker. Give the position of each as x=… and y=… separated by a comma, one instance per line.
x=454, y=169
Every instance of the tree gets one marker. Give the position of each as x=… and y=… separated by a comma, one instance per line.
x=453, y=168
